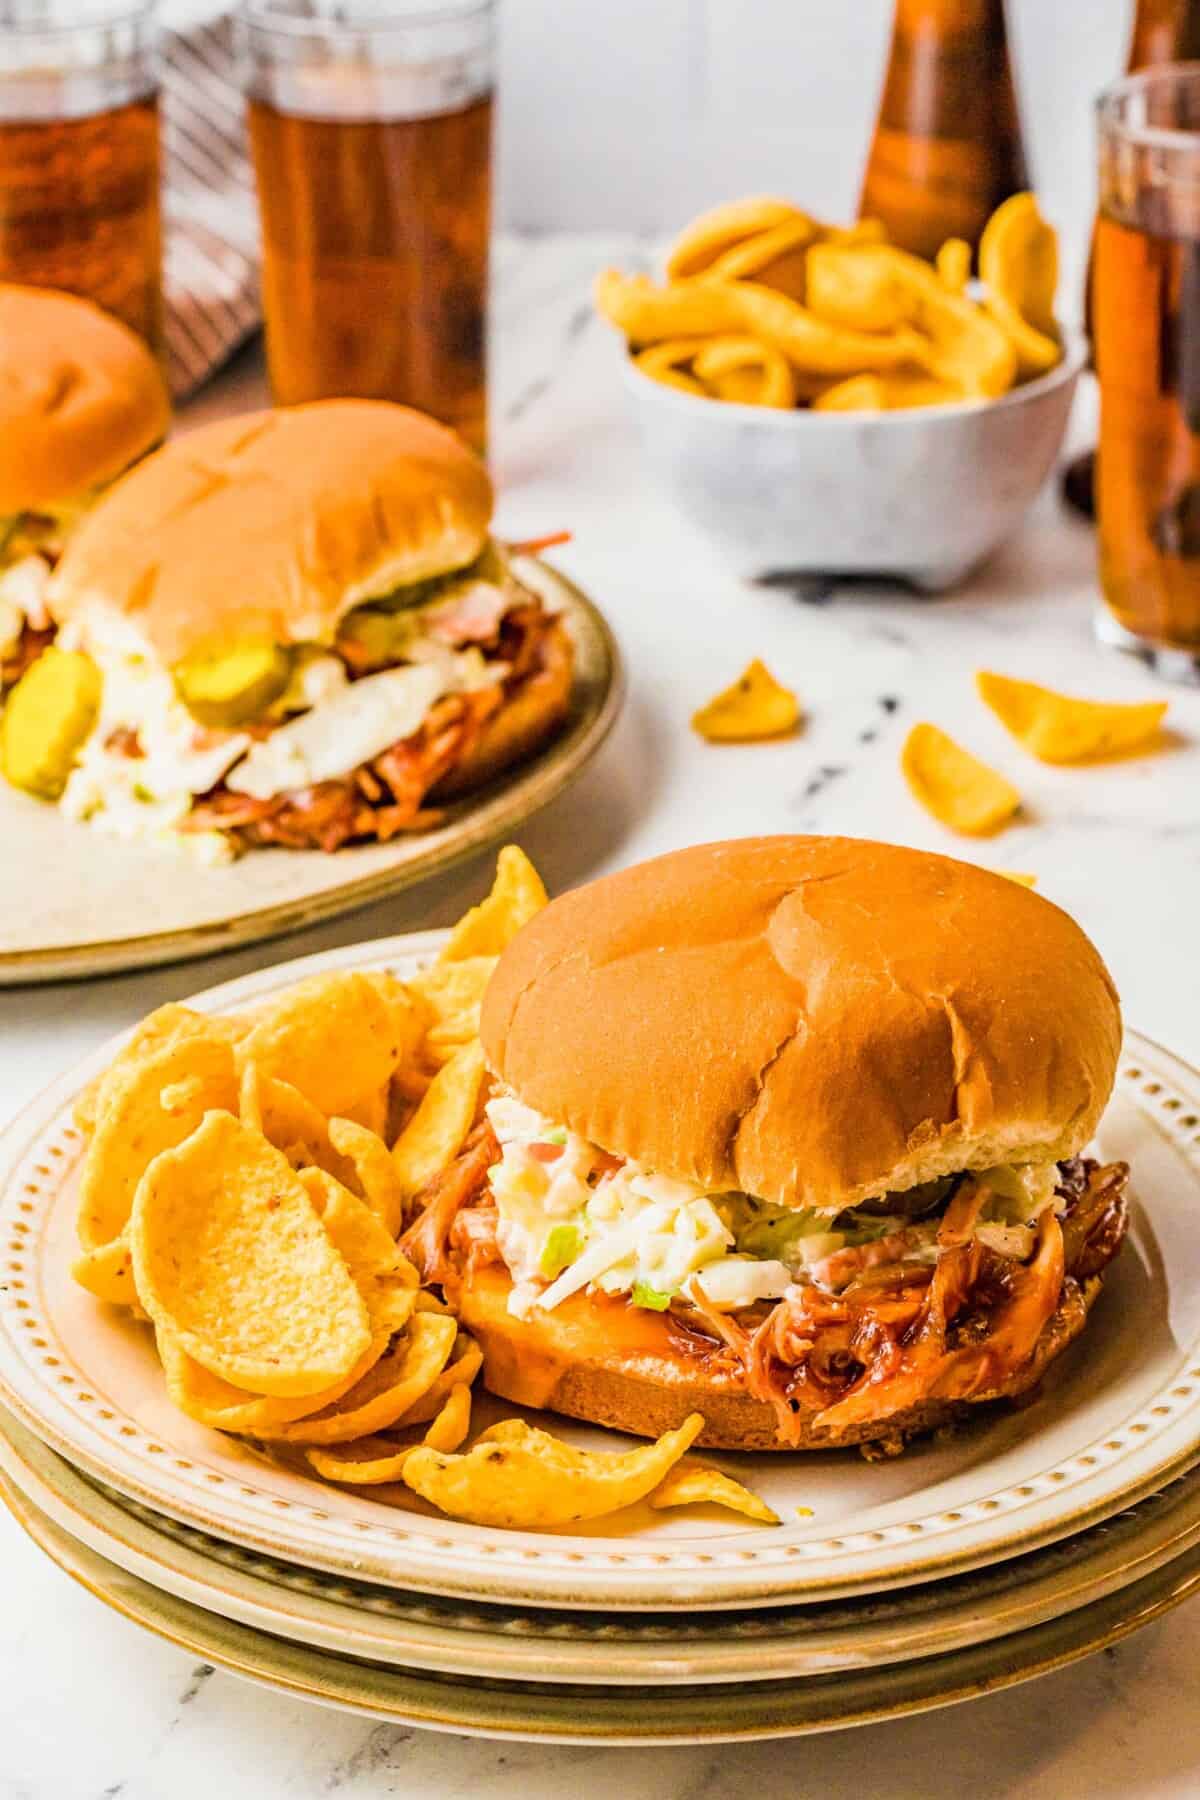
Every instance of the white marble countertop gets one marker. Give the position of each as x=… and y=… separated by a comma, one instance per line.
x=92, y=1708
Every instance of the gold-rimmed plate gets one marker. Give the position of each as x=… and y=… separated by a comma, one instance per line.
x=1116, y=1419
x=457, y=1637
x=640, y=1715
x=104, y=905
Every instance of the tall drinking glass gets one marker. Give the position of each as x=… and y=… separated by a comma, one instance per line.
x=1146, y=326
x=371, y=131
x=79, y=155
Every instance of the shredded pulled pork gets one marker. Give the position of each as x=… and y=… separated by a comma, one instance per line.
x=24, y=653
x=958, y=1329
x=900, y=1333
x=386, y=797
x=425, y=1243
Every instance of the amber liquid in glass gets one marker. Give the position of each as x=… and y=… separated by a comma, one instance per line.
x=79, y=209
x=1163, y=31
x=947, y=147
x=1146, y=316
x=375, y=258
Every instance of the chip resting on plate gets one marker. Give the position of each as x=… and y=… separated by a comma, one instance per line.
x=522, y=1478
x=158, y=1029
x=386, y=1280
x=153, y=1102
x=466, y=1360
x=230, y=1257
x=211, y=1401
x=280, y=1113
x=439, y=1126
x=388, y=1390
x=695, y=1484
x=338, y=1038
x=517, y=894
x=374, y=1175
x=107, y=1272
x=376, y=1461
x=454, y=993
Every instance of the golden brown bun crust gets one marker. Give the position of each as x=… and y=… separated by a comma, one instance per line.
x=812, y=1020
x=532, y=714
x=81, y=397
x=590, y=1364
x=269, y=527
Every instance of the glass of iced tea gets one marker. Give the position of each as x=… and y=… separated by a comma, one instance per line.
x=371, y=128
x=1146, y=336
x=79, y=155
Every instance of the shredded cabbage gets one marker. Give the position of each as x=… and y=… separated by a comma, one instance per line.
x=572, y=1217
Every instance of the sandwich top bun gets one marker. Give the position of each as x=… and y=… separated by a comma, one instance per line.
x=810, y=1020
x=271, y=526
x=81, y=397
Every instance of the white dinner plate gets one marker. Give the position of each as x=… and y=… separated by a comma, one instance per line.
x=639, y=1715
x=1117, y=1417
x=461, y=1637
x=104, y=905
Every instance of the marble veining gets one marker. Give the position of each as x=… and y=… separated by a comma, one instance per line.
x=91, y=1708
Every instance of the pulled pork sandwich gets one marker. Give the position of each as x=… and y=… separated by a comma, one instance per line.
x=288, y=628
x=788, y=1131
x=81, y=398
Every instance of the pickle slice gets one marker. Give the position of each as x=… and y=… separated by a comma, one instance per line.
x=378, y=638
x=232, y=687
x=49, y=713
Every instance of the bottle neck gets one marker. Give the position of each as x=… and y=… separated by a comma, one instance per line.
x=952, y=18
x=1164, y=31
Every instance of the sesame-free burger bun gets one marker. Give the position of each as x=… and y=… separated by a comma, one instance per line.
x=271, y=526
x=81, y=398
x=810, y=1020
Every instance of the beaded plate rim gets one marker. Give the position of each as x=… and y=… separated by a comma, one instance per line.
x=708, y=1714
x=353, y=1617
x=57, y=1399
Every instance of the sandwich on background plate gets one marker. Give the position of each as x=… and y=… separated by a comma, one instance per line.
x=787, y=1131
x=81, y=398
x=289, y=628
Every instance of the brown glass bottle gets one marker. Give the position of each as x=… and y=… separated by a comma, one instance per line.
x=947, y=147
x=1163, y=31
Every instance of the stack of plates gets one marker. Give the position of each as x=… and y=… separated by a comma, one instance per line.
x=1013, y=1547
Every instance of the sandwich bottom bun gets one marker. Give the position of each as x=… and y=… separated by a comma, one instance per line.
x=535, y=710
x=604, y=1362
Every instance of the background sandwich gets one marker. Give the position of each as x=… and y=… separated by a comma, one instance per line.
x=789, y=1133
x=289, y=628
x=81, y=398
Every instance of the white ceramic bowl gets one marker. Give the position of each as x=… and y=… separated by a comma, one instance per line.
x=922, y=494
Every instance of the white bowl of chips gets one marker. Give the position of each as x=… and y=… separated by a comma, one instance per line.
x=820, y=402
x=922, y=494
